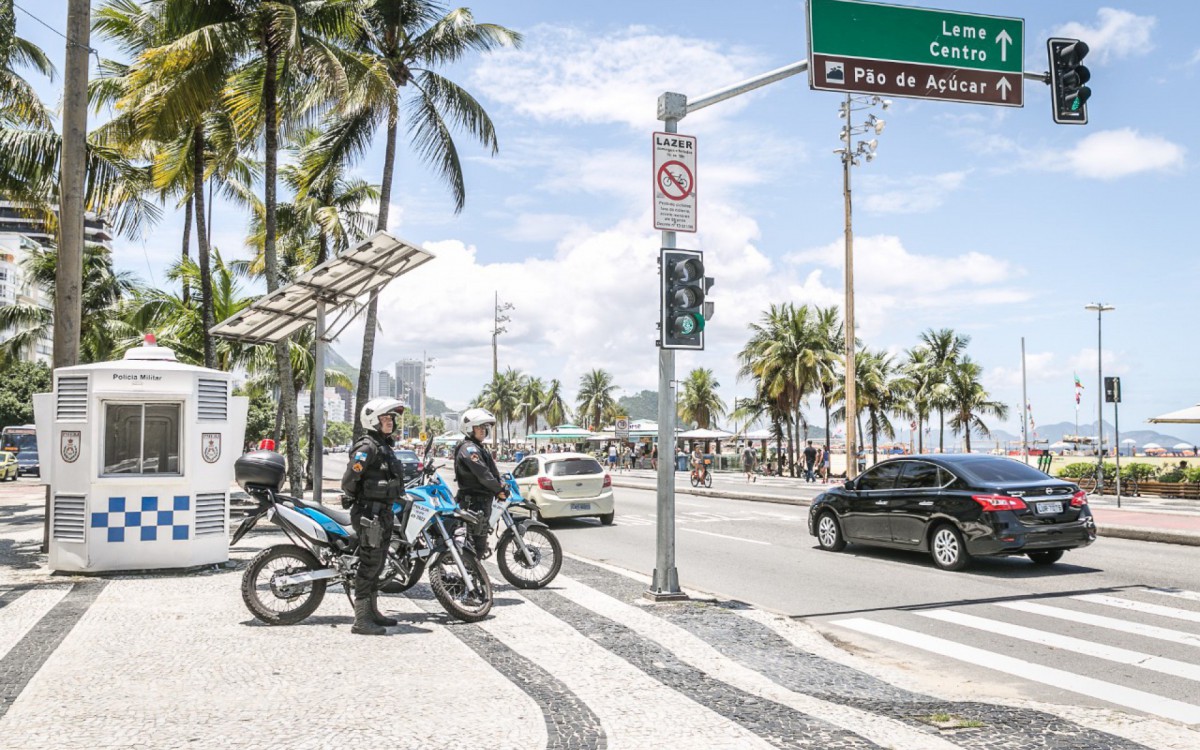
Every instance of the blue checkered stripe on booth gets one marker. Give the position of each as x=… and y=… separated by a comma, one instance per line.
x=153, y=520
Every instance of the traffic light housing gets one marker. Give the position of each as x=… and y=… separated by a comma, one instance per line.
x=683, y=289
x=1068, y=95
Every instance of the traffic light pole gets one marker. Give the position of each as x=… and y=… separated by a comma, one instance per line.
x=665, y=585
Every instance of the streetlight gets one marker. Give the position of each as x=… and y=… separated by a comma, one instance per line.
x=850, y=154
x=497, y=330
x=424, y=377
x=1099, y=308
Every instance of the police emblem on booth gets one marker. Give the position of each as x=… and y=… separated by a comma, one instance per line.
x=69, y=445
x=210, y=446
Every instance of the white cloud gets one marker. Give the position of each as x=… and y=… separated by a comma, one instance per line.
x=577, y=75
x=1111, y=154
x=1117, y=34
x=918, y=194
x=1195, y=58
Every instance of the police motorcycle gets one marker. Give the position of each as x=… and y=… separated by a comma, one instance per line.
x=529, y=554
x=285, y=583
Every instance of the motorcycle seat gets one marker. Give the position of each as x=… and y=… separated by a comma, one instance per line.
x=337, y=514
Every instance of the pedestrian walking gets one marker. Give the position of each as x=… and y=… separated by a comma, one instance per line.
x=810, y=460
x=749, y=460
x=654, y=457
x=825, y=465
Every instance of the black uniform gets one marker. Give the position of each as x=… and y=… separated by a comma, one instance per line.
x=374, y=479
x=478, y=482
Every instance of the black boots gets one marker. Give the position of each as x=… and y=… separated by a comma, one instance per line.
x=364, y=620
x=376, y=616
x=482, y=550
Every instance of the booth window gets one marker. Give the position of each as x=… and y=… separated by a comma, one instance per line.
x=141, y=439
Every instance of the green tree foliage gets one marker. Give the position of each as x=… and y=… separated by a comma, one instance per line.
x=699, y=403
x=260, y=420
x=595, y=401
x=21, y=380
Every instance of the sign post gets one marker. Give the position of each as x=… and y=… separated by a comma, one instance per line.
x=1112, y=394
x=872, y=48
x=623, y=429
x=674, y=182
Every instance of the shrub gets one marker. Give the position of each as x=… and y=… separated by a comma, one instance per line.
x=1192, y=475
x=1137, y=472
x=1077, y=471
x=1171, y=475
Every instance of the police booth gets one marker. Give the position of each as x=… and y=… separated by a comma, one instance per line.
x=139, y=454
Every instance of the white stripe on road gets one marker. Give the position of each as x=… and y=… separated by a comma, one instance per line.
x=1120, y=695
x=1179, y=593
x=1067, y=643
x=1143, y=607
x=1111, y=623
x=725, y=536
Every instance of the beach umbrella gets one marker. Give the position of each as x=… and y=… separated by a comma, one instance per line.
x=1152, y=446
x=1182, y=446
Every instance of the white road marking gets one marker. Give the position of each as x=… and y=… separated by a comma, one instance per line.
x=1179, y=593
x=21, y=614
x=1111, y=623
x=1067, y=643
x=725, y=536
x=1120, y=695
x=1143, y=607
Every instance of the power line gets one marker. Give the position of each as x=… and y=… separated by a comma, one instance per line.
x=92, y=50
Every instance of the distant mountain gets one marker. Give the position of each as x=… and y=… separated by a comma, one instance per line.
x=644, y=405
x=334, y=361
x=1053, y=433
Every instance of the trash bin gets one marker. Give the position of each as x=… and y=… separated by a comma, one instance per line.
x=681, y=462
x=518, y=456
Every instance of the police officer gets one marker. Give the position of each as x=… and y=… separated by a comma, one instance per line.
x=374, y=479
x=476, y=474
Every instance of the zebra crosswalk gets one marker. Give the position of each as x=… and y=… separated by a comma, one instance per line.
x=1136, y=648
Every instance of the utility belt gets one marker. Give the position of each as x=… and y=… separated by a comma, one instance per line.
x=468, y=495
x=382, y=489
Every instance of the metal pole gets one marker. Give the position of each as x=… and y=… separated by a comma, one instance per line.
x=68, y=285
x=665, y=585
x=851, y=375
x=1024, y=408
x=1117, y=440
x=424, y=374
x=318, y=415
x=1099, y=400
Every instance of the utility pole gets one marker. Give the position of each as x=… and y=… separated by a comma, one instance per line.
x=68, y=278
x=497, y=329
x=1024, y=409
x=1099, y=308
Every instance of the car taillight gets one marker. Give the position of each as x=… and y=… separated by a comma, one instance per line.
x=999, y=502
x=608, y=480
x=420, y=466
x=1079, y=499
x=544, y=483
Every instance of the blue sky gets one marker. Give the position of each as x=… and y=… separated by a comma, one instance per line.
x=993, y=221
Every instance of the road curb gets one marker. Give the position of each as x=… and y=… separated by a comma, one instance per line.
x=1137, y=533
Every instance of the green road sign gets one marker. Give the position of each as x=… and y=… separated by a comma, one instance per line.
x=871, y=48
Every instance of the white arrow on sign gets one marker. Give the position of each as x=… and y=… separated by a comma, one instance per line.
x=1004, y=40
x=1004, y=86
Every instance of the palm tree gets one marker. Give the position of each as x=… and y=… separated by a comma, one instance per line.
x=879, y=392
x=595, y=399
x=699, y=402
x=502, y=397
x=945, y=347
x=970, y=402
x=103, y=334
x=554, y=406
x=831, y=339
x=919, y=378
x=19, y=103
x=532, y=401
x=400, y=44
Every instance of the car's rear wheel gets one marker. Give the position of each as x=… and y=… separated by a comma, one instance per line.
x=948, y=549
x=607, y=518
x=1046, y=557
x=829, y=533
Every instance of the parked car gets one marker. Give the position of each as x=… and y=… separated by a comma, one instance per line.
x=8, y=466
x=566, y=485
x=412, y=464
x=955, y=507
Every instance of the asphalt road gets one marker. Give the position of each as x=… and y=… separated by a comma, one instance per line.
x=1117, y=623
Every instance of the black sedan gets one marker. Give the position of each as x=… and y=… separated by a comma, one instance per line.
x=955, y=507
x=412, y=464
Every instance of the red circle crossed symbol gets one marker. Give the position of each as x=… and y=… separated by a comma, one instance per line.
x=675, y=180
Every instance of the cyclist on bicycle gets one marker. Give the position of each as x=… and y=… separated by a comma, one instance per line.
x=698, y=467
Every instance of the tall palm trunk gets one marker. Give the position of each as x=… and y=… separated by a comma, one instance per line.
x=372, y=322
x=187, y=243
x=287, y=388
x=791, y=447
x=941, y=430
x=206, y=290
x=920, y=435
x=874, y=437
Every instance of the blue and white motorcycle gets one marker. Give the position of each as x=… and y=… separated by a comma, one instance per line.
x=285, y=583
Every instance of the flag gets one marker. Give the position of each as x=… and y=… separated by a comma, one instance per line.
x=1029, y=408
x=1078, y=382
x=1077, y=398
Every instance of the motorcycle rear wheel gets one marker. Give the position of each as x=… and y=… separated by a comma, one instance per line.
x=547, y=555
x=399, y=573
x=450, y=589
x=276, y=605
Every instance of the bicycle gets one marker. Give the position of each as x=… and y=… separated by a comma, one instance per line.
x=707, y=480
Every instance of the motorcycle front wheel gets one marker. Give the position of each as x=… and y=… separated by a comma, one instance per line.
x=273, y=603
x=543, y=547
x=454, y=593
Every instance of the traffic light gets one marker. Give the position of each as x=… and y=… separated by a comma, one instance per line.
x=1068, y=95
x=683, y=308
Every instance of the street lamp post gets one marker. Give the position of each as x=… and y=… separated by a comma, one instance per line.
x=426, y=367
x=497, y=329
x=850, y=157
x=1099, y=308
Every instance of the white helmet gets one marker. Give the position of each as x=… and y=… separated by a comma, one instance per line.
x=377, y=407
x=473, y=418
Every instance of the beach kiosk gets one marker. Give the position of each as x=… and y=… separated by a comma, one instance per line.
x=139, y=457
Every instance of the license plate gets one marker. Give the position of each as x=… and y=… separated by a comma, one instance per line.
x=1049, y=507
x=581, y=506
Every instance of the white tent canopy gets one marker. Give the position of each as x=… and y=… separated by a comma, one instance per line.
x=758, y=435
x=1190, y=415
x=565, y=432
x=1183, y=446
x=1152, y=446
x=1128, y=441
x=449, y=438
x=704, y=434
